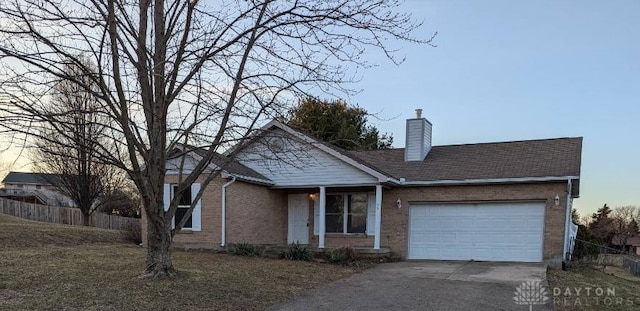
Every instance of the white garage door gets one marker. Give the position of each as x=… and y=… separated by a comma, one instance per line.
x=483, y=232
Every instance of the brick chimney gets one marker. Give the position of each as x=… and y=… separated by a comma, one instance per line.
x=418, y=139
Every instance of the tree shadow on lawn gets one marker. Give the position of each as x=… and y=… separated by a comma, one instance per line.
x=105, y=277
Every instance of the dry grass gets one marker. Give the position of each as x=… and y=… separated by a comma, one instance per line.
x=55, y=267
x=22, y=233
x=626, y=289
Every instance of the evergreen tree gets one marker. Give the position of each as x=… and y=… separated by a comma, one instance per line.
x=602, y=225
x=339, y=124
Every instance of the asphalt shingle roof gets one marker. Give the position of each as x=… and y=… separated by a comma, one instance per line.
x=231, y=166
x=30, y=178
x=235, y=167
x=515, y=159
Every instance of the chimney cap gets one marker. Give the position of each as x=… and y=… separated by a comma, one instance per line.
x=418, y=113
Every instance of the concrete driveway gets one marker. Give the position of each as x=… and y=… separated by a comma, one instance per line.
x=425, y=285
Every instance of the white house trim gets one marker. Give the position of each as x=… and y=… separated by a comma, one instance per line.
x=376, y=237
x=321, y=221
x=567, y=223
x=250, y=179
x=196, y=213
x=485, y=181
x=326, y=186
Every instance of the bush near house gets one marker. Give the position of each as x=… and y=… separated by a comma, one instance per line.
x=297, y=252
x=245, y=249
x=586, y=244
x=134, y=234
x=342, y=255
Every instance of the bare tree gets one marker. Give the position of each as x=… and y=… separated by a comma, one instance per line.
x=585, y=220
x=67, y=147
x=624, y=223
x=177, y=71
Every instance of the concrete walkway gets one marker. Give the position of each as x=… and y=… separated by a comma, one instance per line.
x=426, y=285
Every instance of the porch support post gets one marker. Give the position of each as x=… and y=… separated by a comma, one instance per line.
x=376, y=237
x=321, y=222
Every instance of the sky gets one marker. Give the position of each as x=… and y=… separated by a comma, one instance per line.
x=515, y=70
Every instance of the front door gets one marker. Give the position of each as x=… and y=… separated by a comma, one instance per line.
x=298, y=219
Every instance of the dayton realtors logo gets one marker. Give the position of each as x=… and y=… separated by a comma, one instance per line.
x=531, y=293
x=582, y=297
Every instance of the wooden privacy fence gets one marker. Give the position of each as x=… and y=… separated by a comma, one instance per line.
x=65, y=215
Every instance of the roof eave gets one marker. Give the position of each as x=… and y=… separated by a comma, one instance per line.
x=486, y=181
x=248, y=179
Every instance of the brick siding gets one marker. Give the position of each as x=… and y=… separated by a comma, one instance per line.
x=258, y=215
x=395, y=220
x=255, y=214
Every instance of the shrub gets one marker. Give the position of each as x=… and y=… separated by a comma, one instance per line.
x=297, y=252
x=342, y=255
x=245, y=249
x=134, y=234
x=586, y=244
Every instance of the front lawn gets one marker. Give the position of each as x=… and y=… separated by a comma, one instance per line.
x=57, y=270
x=585, y=288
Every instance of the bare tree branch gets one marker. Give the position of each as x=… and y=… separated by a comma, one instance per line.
x=172, y=72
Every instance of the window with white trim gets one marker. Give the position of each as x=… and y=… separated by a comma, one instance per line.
x=183, y=206
x=346, y=213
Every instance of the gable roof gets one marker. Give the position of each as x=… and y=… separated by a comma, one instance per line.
x=236, y=168
x=230, y=166
x=537, y=160
x=541, y=158
x=30, y=178
x=333, y=150
x=511, y=161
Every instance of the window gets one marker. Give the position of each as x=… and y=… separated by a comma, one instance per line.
x=38, y=186
x=334, y=213
x=183, y=206
x=346, y=213
x=194, y=222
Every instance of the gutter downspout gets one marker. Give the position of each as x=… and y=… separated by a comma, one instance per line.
x=567, y=223
x=224, y=210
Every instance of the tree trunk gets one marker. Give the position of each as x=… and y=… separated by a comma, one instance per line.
x=159, y=262
x=85, y=219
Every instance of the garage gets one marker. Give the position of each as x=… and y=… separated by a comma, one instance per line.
x=499, y=231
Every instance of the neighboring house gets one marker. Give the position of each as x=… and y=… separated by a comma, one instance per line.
x=34, y=188
x=631, y=245
x=507, y=201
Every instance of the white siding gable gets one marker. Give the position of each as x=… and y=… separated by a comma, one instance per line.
x=288, y=161
x=174, y=165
